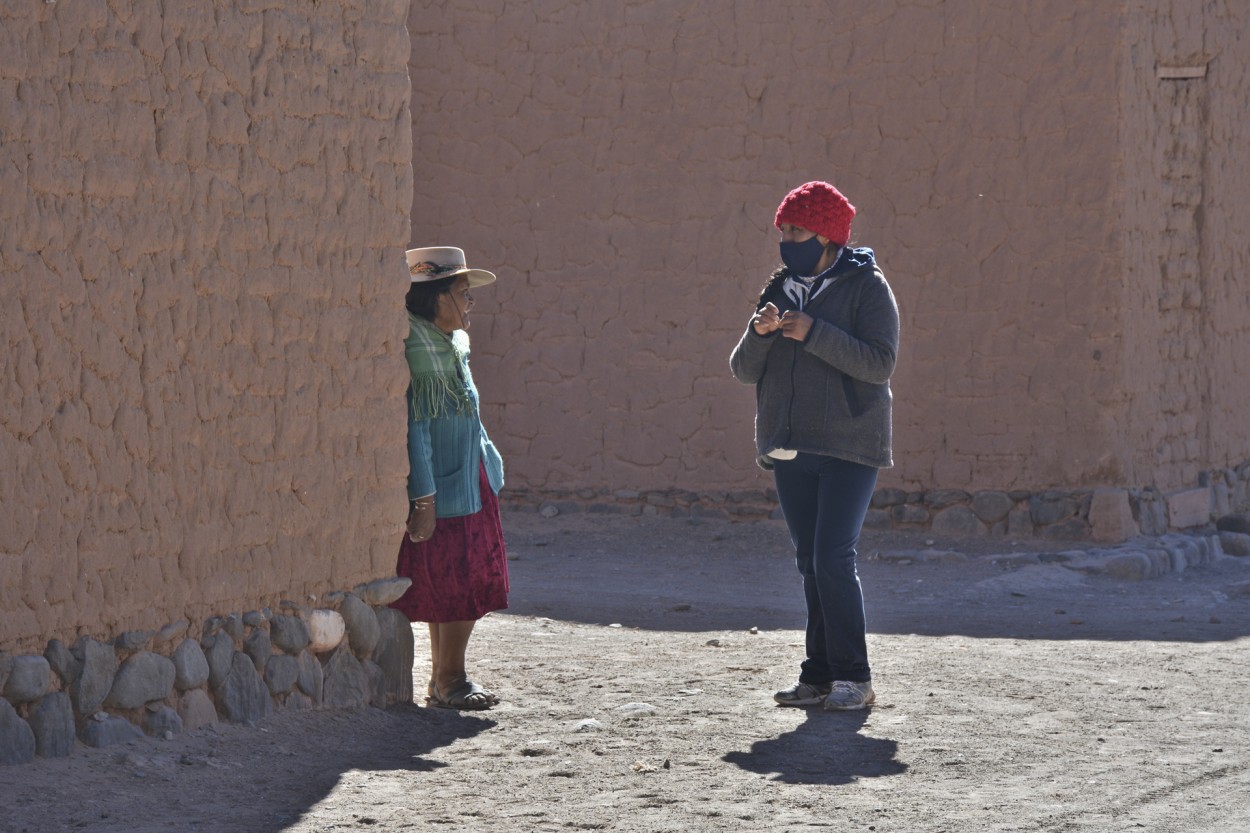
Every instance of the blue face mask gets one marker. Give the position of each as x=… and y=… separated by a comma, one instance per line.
x=801, y=258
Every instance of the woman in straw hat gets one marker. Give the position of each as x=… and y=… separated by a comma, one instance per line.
x=820, y=349
x=453, y=548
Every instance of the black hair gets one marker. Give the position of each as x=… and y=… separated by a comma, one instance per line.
x=422, y=297
x=772, y=286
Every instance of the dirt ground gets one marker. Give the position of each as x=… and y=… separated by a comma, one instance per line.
x=636, y=667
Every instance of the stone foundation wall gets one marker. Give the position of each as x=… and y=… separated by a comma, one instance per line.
x=349, y=651
x=1110, y=515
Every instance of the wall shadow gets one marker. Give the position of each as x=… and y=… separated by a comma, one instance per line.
x=261, y=779
x=691, y=584
x=826, y=748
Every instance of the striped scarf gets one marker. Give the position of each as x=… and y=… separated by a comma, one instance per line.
x=802, y=290
x=435, y=359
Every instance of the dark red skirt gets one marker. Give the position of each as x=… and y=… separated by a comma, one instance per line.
x=461, y=573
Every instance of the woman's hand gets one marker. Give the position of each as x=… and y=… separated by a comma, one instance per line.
x=767, y=320
x=421, y=520
x=796, y=325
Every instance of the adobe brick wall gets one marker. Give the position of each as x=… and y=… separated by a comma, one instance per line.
x=203, y=208
x=1040, y=202
x=1185, y=124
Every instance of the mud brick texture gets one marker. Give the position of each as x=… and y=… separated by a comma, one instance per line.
x=203, y=211
x=1059, y=216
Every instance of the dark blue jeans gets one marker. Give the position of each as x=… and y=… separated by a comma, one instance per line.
x=824, y=500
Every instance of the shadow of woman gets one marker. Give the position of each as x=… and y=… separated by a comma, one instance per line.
x=826, y=748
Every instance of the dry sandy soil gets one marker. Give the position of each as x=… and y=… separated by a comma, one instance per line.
x=636, y=667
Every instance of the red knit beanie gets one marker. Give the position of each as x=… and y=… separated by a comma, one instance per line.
x=818, y=207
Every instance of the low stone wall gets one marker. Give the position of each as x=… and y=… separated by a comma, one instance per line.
x=1110, y=515
x=351, y=651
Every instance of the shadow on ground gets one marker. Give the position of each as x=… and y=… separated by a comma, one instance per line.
x=285, y=758
x=709, y=575
x=826, y=748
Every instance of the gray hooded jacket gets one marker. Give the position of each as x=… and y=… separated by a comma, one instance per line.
x=829, y=394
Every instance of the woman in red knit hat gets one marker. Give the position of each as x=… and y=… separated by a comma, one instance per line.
x=820, y=349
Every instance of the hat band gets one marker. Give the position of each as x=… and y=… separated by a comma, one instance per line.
x=430, y=269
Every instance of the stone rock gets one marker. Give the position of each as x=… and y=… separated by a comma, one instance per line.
x=991, y=506
x=874, y=519
x=17, y=739
x=1188, y=508
x=162, y=723
x=259, y=647
x=1111, y=516
x=298, y=701
x=383, y=591
x=636, y=709
x=941, y=557
x=942, y=498
x=1235, y=543
x=1073, y=529
x=172, y=631
x=196, y=710
x=62, y=661
x=1221, y=499
x=242, y=696
x=362, y=625
x=1164, y=559
x=220, y=655
x=6, y=666
x=1152, y=516
x=588, y=725
x=29, y=679
x=99, y=666
x=190, y=665
x=109, y=730
x=1134, y=566
x=346, y=686
x=376, y=683
x=885, y=498
x=1237, y=522
x=211, y=626
x=957, y=520
x=281, y=673
x=909, y=513
x=255, y=619
x=289, y=633
x=52, y=721
x=1240, y=589
x=233, y=625
x=326, y=629
x=1020, y=522
x=142, y=678
x=394, y=654
x=131, y=641
x=1052, y=507
x=311, y=679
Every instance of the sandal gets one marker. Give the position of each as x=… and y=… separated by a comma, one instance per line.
x=468, y=696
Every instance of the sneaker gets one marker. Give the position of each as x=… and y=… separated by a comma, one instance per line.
x=802, y=694
x=848, y=696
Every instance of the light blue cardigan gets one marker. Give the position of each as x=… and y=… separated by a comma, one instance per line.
x=445, y=454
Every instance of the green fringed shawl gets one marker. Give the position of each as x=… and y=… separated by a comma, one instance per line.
x=435, y=360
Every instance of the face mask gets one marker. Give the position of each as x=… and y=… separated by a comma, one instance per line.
x=801, y=258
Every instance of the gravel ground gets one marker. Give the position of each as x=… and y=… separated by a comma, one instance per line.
x=636, y=667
